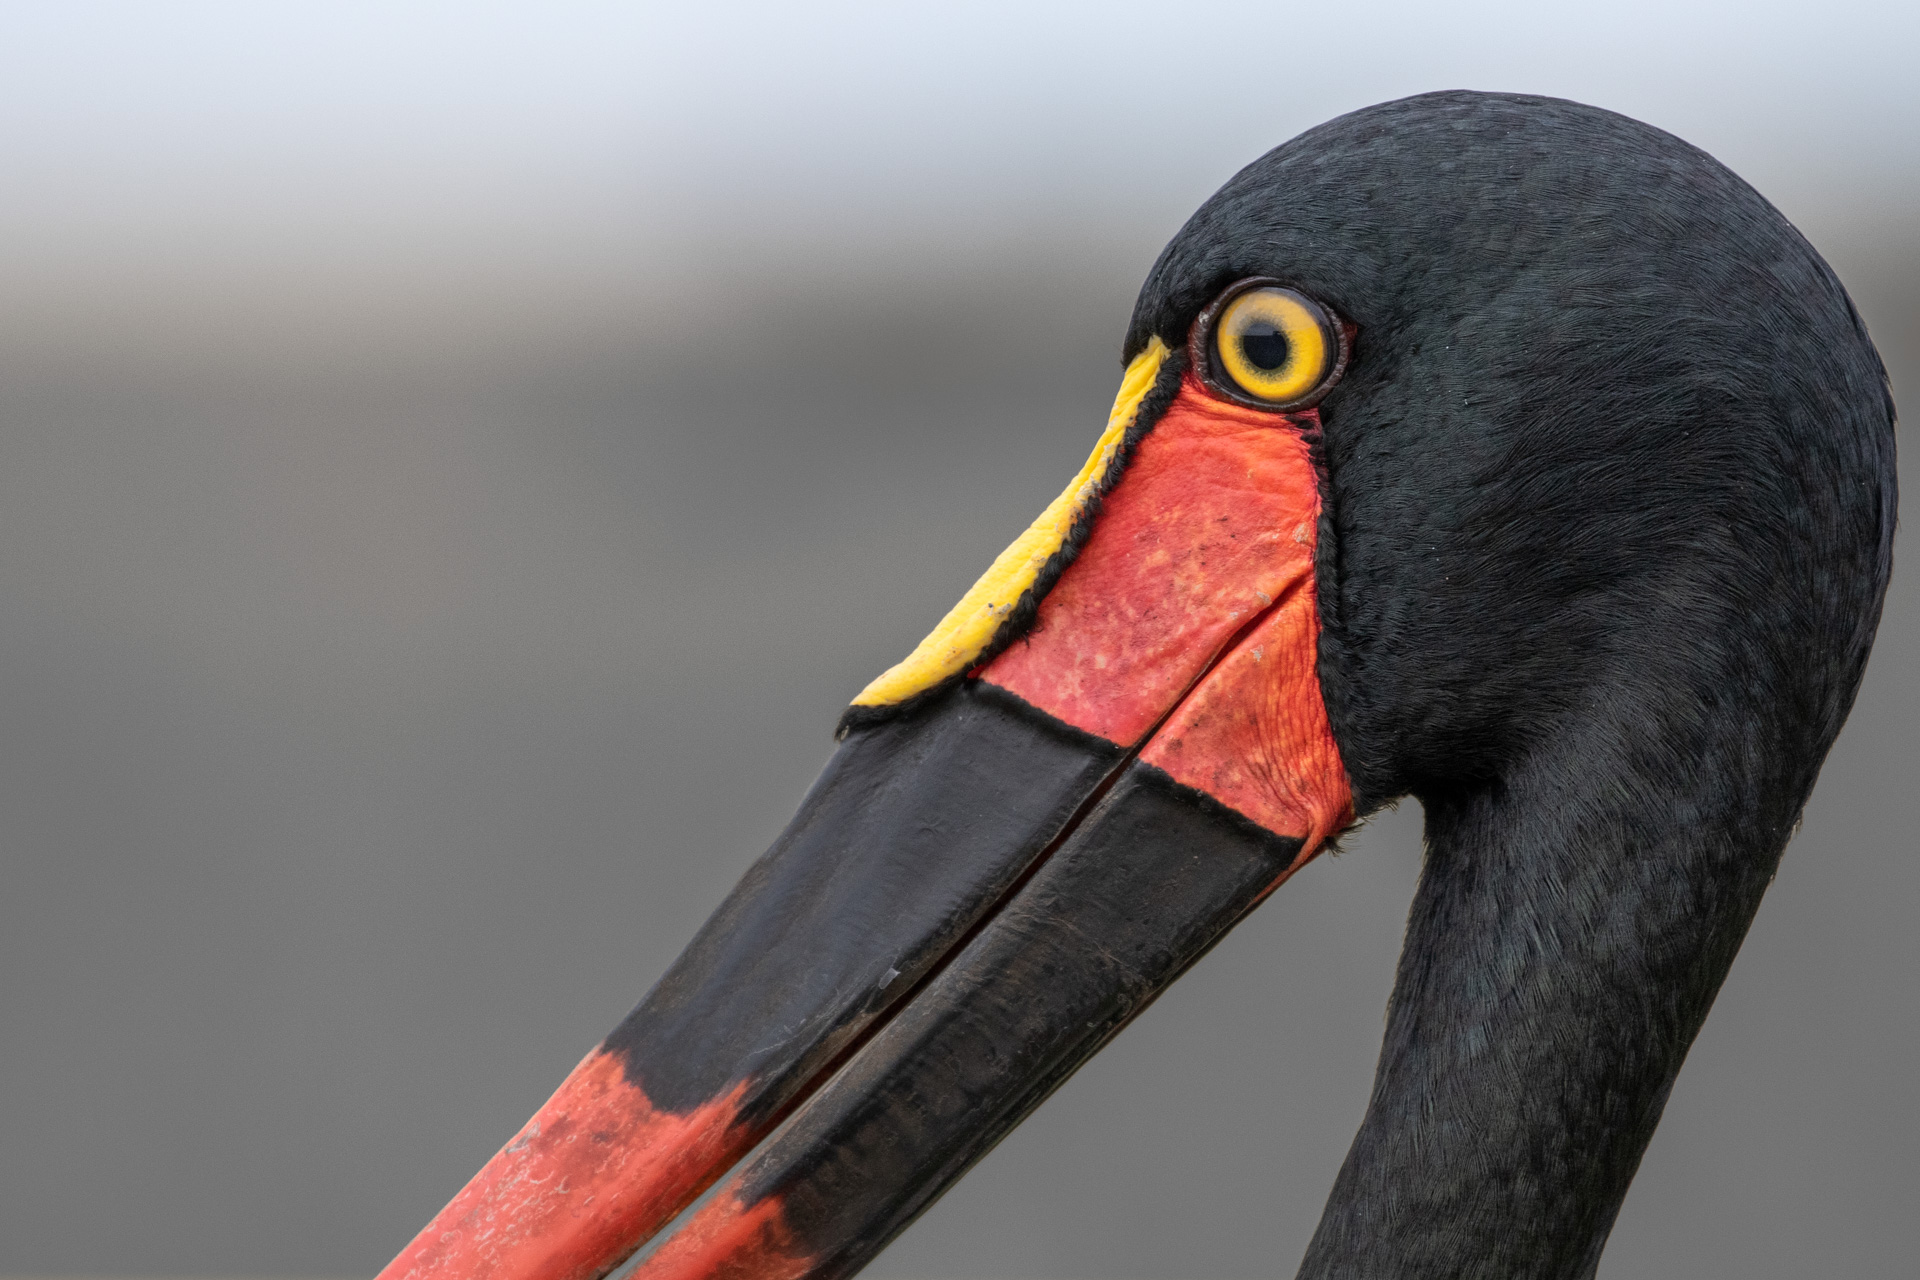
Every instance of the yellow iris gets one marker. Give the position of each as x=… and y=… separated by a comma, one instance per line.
x=1274, y=345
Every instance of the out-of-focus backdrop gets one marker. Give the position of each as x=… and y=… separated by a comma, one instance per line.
x=457, y=460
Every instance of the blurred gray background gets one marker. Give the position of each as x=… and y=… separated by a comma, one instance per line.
x=457, y=461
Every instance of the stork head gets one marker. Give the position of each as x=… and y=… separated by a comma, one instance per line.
x=1493, y=450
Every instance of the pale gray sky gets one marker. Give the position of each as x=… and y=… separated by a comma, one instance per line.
x=382, y=119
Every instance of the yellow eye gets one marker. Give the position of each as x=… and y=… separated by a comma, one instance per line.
x=1274, y=347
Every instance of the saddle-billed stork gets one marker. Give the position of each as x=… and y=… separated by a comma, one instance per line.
x=1494, y=450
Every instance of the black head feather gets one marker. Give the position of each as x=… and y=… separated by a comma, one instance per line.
x=1609, y=503
x=1606, y=404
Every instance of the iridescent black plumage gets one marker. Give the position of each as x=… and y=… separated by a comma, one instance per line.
x=1610, y=505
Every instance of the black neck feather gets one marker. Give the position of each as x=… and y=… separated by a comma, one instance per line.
x=1608, y=513
x=1568, y=937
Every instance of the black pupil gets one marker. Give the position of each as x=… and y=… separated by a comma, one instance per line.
x=1266, y=347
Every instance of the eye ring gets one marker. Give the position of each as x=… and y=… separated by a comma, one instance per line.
x=1271, y=331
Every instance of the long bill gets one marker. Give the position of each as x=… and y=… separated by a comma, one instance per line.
x=1108, y=752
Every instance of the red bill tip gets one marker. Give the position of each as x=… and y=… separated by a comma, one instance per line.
x=728, y=1240
x=595, y=1172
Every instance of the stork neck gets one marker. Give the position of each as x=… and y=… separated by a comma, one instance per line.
x=1570, y=930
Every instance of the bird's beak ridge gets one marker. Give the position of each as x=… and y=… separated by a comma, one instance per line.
x=1020, y=841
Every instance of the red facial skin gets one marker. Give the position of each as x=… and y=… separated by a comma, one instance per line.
x=1253, y=734
x=595, y=1173
x=1193, y=602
